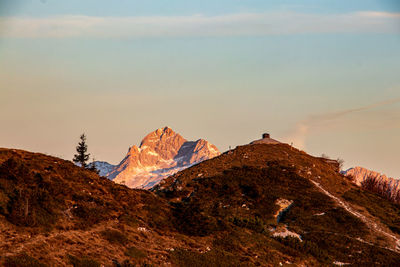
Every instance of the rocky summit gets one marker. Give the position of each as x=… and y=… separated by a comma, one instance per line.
x=160, y=154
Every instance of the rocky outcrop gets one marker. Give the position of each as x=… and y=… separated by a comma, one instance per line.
x=159, y=155
x=284, y=205
x=359, y=174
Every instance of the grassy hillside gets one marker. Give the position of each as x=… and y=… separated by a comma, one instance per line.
x=226, y=211
x=244, y=194
x=57, y=212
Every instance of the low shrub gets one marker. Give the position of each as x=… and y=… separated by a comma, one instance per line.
x=135, y=253
x=252, y=223
x=306, y=247
x=114, y=236
x=89, y=214
x=212, y=258
x=83, y=261
x=22, y=260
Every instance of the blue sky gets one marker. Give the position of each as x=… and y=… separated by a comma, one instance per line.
x=321, y=74
x=181, y=7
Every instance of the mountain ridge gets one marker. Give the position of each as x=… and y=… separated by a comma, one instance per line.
x=161, y=153
x=361, y=174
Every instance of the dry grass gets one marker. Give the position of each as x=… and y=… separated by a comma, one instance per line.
x=219, y=212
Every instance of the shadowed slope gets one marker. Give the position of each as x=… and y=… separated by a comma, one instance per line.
x=242, y=188
x=51, y=208
x=256, y=205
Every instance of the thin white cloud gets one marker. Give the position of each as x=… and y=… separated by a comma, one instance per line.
x=300, y=133
x=245, y=24
x=377, y=14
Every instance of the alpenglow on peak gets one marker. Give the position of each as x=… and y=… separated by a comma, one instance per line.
x=160, y=154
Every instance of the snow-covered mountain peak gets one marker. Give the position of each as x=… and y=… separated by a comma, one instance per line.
x=360, y=174
x=161, y=153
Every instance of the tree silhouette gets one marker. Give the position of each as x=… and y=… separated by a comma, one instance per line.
x=81, y=157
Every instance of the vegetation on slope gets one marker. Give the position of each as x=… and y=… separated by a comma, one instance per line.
x=209, y=202
x=222, y=212
x=46, y=200
x=245, y=198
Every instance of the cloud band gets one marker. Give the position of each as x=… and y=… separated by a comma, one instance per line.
x=246, y=24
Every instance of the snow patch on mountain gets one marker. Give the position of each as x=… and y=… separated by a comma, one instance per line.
x=103, y=167
x=161, y=153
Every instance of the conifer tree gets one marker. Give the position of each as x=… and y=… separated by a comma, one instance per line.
x=81, y=157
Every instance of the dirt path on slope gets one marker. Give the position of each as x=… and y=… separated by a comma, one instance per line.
x=371, y=224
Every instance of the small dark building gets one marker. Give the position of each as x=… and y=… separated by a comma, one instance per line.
x=265, y=135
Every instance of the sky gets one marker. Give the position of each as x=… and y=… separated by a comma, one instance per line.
x=324, y=75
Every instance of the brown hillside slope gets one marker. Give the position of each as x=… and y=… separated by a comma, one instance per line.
x=243, y=187
x=258, y=205
x=58, y=213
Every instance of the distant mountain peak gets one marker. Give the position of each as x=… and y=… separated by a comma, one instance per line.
x=158, y=135
x=360, y=174
x=161, y=153
x=163, y=141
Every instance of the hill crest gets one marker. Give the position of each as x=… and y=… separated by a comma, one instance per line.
x=256, y=205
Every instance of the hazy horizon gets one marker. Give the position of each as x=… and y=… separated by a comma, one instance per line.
x=323, y=76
